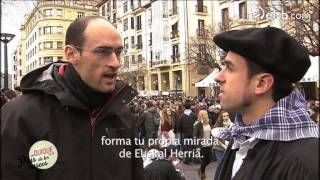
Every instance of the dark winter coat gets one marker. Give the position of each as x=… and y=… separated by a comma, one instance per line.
x=161, y=170
x=275, y=160
x=186, y=122
x=47, y=111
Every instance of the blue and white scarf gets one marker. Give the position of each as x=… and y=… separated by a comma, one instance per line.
x=288, y=120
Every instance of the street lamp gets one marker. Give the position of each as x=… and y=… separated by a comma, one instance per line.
x=5, y=38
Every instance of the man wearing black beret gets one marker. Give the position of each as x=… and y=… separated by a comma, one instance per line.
x=273, y=136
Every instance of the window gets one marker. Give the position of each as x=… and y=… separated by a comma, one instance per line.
x=139, y=42
x=139, y=22
x=126, y=62
x=132, y=22
x=59, y=12
x=80, y=14
x=103, y=10
x=47, y=30
x=20, y=72
x=133, y=59
x=59, y=29
x=108, y=7
x=243, y=10
x=59, y=58
x=150, y=40
x=132, y=41
x=114, y=4
x=125, y=24
x=114, y=17
x=125, y=7
x=140, y=58
x=48, y=45
x=126, y=43
x=48, y=59
x=175, y=51
x=47, y=12
x=131, y=4
x=59, y=45
x=225, y=18
x=200, y=23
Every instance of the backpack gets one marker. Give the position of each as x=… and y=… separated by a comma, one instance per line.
x=156, y=121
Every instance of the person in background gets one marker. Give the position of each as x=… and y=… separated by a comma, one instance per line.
x=221, y=144
x=17, y=89
x=202, y=131
x=186, y=121
x=10, y=94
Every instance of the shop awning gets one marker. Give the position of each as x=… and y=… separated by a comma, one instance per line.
x=312, y=74
x=208, y=81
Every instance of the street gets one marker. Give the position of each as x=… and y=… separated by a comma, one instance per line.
x=191, y=171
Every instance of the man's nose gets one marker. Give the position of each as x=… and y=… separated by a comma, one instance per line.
x=114, y=61
x=219, y=77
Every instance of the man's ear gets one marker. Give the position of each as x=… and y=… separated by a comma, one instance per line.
x=71, y=54
x=264, y=83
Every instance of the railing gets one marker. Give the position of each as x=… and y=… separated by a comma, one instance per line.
x=139, y=46
x=138, y=26
x=175, y=58
x=201, y=9
x=160, y=62
x=202, y=32
x=174, y=34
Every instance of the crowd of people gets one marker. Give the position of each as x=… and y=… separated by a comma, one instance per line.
x=9, y=94
x=169, y=118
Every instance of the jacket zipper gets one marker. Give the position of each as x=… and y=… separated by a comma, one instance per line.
x=95, y=114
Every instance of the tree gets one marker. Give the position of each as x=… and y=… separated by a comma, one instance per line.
x=203, y=51
x=132, y=75
x=300, y=18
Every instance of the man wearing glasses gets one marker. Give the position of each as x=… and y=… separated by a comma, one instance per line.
x=79, y=106
x=273, y=136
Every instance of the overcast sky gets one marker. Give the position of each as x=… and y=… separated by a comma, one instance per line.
x=12, y=16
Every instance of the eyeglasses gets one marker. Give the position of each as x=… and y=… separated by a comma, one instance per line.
x=103, y=51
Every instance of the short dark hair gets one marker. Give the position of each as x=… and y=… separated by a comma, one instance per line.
x=74, y=35
x=187, y=104
x=281, y=87
x=17, y=88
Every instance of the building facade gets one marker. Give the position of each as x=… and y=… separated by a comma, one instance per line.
x=156, y=36
x=43, y=32
x=17, y=66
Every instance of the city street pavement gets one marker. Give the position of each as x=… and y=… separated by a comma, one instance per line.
x=191, y=171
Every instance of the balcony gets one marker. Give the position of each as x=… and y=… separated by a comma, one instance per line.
x=201, y=32
x=138, y=46
x=160, y=63
x=175, y=58
x=174, y=34
x=224, y=26
x=201, y=9
x=138, y=27
x=173, y=11
x=241, y=23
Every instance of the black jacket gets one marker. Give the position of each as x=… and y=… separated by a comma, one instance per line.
x=186, y=123
x=161, y=170
x=47, y=111
x=274, y=160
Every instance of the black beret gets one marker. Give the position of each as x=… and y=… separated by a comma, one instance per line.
x=269, y=47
